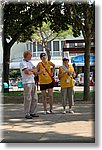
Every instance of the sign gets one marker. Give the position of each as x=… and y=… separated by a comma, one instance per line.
x=79, y=60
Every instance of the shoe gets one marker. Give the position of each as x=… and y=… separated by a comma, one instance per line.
x=28, y=117
x=34, y=115
x=51, y=111
x=46, y=112
x=71, y=111
x=64, y=111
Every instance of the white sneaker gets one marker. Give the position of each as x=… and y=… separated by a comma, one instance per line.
x=51, y=111
x=64, y=111
x=71, y=111
x=46, y=112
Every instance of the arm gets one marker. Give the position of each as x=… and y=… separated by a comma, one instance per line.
x=73, y=73
x=31, y=71
x=38, y=68
x=53, y=67
x=34, y=70
x=60, y=75
x=28, y=72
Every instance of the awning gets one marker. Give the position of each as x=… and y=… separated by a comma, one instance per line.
x=80, y=61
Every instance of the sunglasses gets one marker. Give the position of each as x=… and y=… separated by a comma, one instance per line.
x=43, y=55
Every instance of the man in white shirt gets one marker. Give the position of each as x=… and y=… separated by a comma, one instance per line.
x=28, y=70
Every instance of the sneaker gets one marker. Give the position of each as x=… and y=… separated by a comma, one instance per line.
x=64, y=112
x=28, y=117
x=46, y=112
x=51, y=111
x=71, y=111
x=34, y=115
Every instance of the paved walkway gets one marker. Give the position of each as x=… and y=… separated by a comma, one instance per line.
x=58, y=127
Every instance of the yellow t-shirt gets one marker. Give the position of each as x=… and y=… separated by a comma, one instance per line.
x=66, y=80
x=45, y=78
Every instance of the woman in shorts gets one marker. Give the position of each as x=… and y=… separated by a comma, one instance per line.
x=45, y=71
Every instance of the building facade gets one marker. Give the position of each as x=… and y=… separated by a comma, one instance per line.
x=55, y=46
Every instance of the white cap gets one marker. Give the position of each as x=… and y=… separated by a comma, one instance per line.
x=65, y=58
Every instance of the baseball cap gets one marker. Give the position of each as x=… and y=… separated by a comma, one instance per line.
x=65, y=58
x=42, y=54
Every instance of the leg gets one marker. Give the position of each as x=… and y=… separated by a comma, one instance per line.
x=64, y=97
x=44, y=99
x=37, y=86
x=50, y=94
x=33, y=107
x=27, y=98
x=70, y=97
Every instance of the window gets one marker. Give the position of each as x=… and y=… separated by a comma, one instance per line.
x=39, y=47
x=55, y=45
x=62, y=45
x=80, y=45
x=30, y=46
x=49, y=45
x=27, y=46
x=34, y=46
x=71, y=45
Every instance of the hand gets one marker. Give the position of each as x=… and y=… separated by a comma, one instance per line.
x=52, y=74
x=63, y=73
x=30, y=72
x=34, y=70
x=43, y=71
x=69, y=73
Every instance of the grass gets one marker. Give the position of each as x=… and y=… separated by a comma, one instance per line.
x=17, y=97
x=79, y=94
x=14, y=93
x=56, y=94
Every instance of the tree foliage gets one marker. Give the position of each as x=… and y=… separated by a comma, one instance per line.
x=43, y=35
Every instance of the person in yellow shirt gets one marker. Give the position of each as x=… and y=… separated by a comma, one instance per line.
x=45, y=71
x=66, y=74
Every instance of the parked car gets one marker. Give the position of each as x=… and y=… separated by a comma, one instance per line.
x=57, y=81
x=56, y=72
x=79, y=80
x=92, y=78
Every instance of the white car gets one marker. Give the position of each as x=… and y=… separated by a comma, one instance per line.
x=80, y=79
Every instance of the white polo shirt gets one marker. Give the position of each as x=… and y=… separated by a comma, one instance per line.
x=25, y=77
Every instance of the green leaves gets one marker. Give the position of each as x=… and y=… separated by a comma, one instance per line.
x=20, y=18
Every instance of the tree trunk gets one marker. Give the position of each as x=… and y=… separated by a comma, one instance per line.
x=48, y=53
x=6, y=61
x=87, y=37
x=87, y=70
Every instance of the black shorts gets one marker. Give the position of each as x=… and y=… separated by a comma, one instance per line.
x=46, y=86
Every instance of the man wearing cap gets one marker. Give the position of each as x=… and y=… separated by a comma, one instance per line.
x=30, y=95
x=45, y=71
x=66, y=74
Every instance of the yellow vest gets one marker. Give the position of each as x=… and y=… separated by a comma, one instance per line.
x=66, y=80
x=45, y=79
